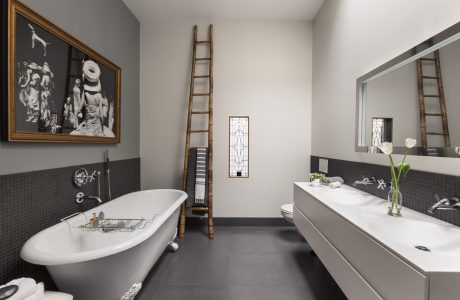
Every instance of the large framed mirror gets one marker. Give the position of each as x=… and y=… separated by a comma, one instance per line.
x=415, y=95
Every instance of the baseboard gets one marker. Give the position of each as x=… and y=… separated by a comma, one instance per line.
x=197, y=221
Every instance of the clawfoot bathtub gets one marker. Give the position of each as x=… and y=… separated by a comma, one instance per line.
x=97, y=265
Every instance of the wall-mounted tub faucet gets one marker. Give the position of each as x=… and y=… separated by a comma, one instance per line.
x=81, y=197
x=445, y=204
x=81, y=177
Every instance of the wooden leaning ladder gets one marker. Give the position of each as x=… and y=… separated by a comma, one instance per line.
x=422, y=96
x=209, y=131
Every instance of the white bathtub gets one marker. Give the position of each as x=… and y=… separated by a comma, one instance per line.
x=104, y=266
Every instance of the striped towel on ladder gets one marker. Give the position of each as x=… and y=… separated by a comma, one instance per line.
x=200, y=175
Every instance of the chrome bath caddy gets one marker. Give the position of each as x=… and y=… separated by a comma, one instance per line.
x=111, y=225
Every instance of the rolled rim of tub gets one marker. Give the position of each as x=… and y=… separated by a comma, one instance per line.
x=65, y=243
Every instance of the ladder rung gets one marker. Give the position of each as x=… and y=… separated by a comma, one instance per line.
x=200, y=112
x=431, y=96
x=428, y=59
x=201, y=94
x=430, y=77
x=198, y=208
x=434, y=115
x=198, y=130
x=436, y=133
x=201, y=76
x=202, y=58
x=202, y=42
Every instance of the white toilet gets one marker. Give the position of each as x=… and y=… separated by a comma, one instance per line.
x=287, y=211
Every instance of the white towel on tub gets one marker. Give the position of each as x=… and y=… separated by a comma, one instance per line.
x=50, y=295
x=39, y=293
x=26, y=287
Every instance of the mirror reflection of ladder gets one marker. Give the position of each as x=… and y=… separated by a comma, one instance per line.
x=209, y=131
x=422, y=80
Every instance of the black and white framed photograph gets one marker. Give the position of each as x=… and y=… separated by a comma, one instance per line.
x=59, y=90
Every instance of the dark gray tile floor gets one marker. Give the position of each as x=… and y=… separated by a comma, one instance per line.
x=268, y=263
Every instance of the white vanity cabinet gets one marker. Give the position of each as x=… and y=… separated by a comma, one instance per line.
x=363, y=266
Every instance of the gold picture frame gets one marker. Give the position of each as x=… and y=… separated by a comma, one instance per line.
x=54, y=95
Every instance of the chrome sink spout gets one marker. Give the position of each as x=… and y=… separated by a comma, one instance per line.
x=445, y=204
x=365, y=181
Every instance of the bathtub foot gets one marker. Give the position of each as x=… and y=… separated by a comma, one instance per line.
x=132, y=292
x=173, y=246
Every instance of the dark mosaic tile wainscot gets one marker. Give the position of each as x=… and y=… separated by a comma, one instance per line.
x=418, y=188
x=33, y=201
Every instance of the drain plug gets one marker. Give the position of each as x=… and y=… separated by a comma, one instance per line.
x=423, y=248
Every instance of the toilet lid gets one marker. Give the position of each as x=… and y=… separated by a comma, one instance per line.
x=288, y=208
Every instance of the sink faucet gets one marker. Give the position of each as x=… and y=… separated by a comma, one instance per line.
x=381, y=184
x=445, y=204
x=365, y=181
x=81, y=197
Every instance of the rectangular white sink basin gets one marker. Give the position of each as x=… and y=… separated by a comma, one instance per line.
x=442, y=239
x=372, y=255
x=399, y=234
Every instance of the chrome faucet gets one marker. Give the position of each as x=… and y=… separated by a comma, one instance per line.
x=81, y=197
x=381, y=184
x=445, y=204
x=365, y=181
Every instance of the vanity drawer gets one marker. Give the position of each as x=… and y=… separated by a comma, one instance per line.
x=350, y=281
x=390, y=276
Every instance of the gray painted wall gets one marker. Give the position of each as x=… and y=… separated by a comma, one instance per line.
x=262, y=69
x=345, y=49
x=111, y=29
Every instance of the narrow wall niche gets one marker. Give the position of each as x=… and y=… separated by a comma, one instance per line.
x=238, y=147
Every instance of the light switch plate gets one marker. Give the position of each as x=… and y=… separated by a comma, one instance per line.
x=323, y=164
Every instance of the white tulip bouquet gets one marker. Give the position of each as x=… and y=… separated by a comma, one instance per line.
x=394, y=206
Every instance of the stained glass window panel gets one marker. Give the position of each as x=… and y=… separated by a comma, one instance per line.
x=382, y=131
x=239, y=147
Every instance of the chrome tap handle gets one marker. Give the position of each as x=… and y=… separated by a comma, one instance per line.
x=437, y=197
x=92, y=176
x=78, y=198
x=441, y=201
x=381, y=184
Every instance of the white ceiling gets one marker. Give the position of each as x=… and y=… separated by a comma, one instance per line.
x=194, y=10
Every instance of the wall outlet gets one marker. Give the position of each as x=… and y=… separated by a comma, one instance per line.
x=323, y=163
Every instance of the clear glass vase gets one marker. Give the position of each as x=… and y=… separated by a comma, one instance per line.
x=394, y=202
